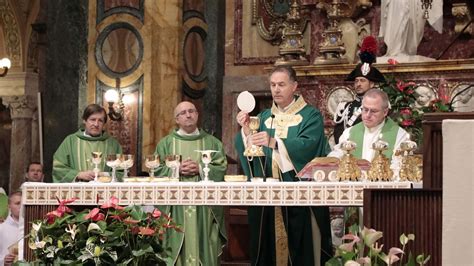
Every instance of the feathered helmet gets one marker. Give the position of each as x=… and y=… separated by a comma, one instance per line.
x=367, y=56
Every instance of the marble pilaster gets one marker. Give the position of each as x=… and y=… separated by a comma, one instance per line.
x=22, y=109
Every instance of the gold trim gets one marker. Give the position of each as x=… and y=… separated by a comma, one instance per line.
x=462, y=65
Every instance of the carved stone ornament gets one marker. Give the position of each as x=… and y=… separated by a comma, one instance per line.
x=292, y=49
x=332, y=47
x=462, y=15
x=20, y=106
x=269, y=16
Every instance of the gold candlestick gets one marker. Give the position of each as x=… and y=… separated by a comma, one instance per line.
x=410, y=164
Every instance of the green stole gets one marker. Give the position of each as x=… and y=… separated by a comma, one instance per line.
x=389, y=132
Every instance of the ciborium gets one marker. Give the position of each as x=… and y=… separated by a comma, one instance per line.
x=254, y=150
x=348, y=169
x=173, y=161
x=410, y=167
x=380, y=166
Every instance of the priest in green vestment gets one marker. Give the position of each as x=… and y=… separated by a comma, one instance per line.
x=375, y=123
x=72, y=160
x=291, y=134
x=204, y=231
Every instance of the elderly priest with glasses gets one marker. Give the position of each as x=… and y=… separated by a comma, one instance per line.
x=375, y=123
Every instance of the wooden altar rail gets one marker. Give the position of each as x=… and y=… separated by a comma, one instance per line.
x=417, y=211
x=433, y=146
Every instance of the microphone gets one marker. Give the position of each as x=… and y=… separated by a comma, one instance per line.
x=268, y=145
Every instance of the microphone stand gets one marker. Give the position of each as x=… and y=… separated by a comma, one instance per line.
x=268, y=146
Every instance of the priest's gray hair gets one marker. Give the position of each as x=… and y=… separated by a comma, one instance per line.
x=285, y=69
x=373, y=93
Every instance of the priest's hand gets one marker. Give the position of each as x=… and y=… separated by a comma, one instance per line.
x=261, y=139
x=189, y=168
x=243, y=119
x=9, y=259
x=85, y=176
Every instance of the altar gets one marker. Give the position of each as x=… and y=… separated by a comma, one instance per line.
x=40, y=198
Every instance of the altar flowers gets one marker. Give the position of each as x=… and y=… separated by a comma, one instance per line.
x=108, y=234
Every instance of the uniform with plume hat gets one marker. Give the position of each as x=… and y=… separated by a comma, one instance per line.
x=348, y=113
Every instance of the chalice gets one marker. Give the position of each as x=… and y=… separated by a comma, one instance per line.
x=152, y=162
x=206, y=159
x=96, y=160
x=254, y=150
x=113, y=161
x=173, y=161
x=126, y=162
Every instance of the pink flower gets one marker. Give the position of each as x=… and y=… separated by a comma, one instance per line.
x=156, y=213
x=112, y=203
x=145, y=231
x=392, y=257
x=95, y=215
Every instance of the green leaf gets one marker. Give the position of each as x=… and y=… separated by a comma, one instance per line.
x=141, y=252
x=333, y=262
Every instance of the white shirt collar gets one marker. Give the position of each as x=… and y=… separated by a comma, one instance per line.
x=376, y=128
x=184, y=133
x=287, y=107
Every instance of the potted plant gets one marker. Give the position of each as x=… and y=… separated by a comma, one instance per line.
x=109, y=235
x=362, y=248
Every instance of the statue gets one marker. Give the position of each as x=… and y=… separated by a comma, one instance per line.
x=402, y=24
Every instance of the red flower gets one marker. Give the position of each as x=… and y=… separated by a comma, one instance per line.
x=95, y=215
x=405, y=111
x=406, y=123
x=156, y=213
x=112, y=203
x=392, y=61
x=146, y=231
x=51, y=216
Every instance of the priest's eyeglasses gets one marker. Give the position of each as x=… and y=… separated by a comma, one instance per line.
x=366, y=110
x=189, y=111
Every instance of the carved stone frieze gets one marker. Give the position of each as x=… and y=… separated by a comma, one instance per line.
x=462, y=15
x=22, y=106
x=11, y=31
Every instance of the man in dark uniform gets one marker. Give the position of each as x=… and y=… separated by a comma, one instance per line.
x=364, y=76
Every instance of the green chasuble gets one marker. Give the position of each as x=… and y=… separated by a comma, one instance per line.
x=75, y=153
x=204, y=232
x=301, y=129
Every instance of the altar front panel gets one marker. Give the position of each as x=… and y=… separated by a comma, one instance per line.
x=213, y=194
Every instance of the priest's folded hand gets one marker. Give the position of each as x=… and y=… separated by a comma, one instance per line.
x=189, y=168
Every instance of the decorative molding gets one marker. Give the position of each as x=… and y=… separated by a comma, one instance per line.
x=21, y=107
x=211, y=194
x=102, y=13
x=12, y=35
x=238, y=59
x=100, y=43
x=462, y=16
x=194, y=84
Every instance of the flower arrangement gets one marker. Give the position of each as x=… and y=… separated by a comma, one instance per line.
x=109, y=234
x=363, y=249
x=402, y=97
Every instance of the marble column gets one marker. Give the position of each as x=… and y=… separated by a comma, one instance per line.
x=22, y=109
